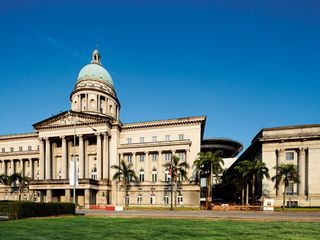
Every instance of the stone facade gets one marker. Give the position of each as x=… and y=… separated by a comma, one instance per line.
x=101, y=140
x=298, y=145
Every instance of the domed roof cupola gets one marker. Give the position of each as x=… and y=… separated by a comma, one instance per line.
x=94, y=70
x=94, y=91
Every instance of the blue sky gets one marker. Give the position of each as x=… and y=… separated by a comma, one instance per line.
x=244, y=64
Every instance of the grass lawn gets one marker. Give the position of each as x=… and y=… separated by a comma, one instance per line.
x=92, y=228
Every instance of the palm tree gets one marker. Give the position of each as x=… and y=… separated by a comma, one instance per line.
x=16, y=180
x=19, y=181
x=4, y=179
x=178, y=171
x=285, y=174
x=252, y=169
x=209, y=163
x=126, y=175
x=243, y=170
x=259, y=170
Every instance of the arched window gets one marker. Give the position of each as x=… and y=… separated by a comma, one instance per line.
x=141, y=175
x=154, y=175
x=92, y=104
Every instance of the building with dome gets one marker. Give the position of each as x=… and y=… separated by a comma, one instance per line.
x=101, y=140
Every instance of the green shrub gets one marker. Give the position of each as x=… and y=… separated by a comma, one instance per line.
x=17, y=209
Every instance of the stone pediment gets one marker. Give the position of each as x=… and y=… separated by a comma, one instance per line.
x=69, y=118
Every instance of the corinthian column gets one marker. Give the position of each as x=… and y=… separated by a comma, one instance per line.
x=105, y=162
x=64, y=158
x=99, y=165
x=301, y=169
x=48, y=159
x=81, y=157
x=41, y=160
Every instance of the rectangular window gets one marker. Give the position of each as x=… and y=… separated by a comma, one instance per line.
x=167, y=137
x=29, y=148
x=141, y=176
x=139, y=200
x=154, y=157
x=154, y=176
x=141, y=139
x=38, y=148
x=141, y=157
x=181, y=136
x=11, y=149
x=167, y=176
x=20, y=149
x=166, y=200
x=3, y=150
x=180, y=200
x=152, y=200
x=154, y=138
x=129, y=140
x=182, y=156
x=289, y=156
x=290, y=189
x=129, y=158
x=168, y=156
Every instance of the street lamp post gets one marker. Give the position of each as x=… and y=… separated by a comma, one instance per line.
x=74, y=157
x=171, y=173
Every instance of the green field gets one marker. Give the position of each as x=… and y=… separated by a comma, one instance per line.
x=145, y=228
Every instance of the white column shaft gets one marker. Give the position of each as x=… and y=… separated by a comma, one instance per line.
x=99, y=165
x=105, y=162
x=48, y=159
x=41, y=160
x=81, y=157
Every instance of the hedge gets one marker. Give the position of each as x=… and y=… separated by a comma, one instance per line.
x=21, y=209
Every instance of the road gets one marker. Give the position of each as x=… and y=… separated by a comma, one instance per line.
x=234, y=215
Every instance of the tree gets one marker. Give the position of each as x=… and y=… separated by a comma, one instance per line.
x=126, y=175
x=16, y=180
x=209, y=164
x=252, y=169
x=285, y=174
x=4, y=179
x=259, y=170
x=178, y=170
x=243, y=170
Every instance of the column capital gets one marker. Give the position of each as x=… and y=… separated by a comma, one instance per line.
x=46, y=138
x=106, y=134
x=79, y=135
x=62, y=137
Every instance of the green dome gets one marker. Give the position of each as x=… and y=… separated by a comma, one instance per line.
x=95, y=71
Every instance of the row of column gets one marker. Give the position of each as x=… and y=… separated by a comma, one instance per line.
x=148, y=161
x=27, y=167
x=87, y=196
x=302, y=165
x=102, y=156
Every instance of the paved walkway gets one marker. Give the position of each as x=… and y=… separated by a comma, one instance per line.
x=235, y=215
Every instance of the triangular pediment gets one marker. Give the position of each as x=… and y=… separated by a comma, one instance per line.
x=69, y=118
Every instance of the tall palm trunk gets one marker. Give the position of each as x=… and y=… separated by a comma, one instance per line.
x=209, y=207
x=175, y=192
x=284, y=197
x=253, y=189
x=247, y=195
x=242, y=195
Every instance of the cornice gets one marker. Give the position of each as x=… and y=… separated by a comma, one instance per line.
x=19, y=136
x=165, y=123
